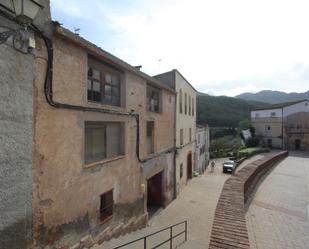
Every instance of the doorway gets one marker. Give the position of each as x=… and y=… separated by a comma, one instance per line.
x=154, y=193
x=297, y=144
x=189, y=166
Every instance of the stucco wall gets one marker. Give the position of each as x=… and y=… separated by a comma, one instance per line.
x=16, y=94
x=185, y=122
x=275, y=132
x=66, y=193
x=201, y=159
x=296, y=127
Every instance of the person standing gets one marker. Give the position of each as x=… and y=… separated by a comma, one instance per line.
x=212, y=165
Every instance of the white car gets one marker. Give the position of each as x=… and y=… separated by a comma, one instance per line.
x=229, y=166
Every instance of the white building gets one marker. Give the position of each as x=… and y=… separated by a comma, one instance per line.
x=283, y=126
x=202, y=149
x=185, y=126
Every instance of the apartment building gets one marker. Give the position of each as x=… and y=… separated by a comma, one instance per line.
x=283, y=126
x=202, y=148
x=185, y=126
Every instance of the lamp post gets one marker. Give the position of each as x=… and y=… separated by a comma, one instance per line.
x=25, y=12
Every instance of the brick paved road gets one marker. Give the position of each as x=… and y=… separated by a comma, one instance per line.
x=278, y=214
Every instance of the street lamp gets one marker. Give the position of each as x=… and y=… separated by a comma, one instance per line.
x=26, y=10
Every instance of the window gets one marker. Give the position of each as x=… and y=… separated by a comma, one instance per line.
x=306, y=104
x=150, y=136
x=273, y=114
x=103, y=84
x=190, y=105
x=193, y=106
x=190, y=135
x=185, y=103
x=180, y=101
x=257, y=115
x=267, y=128
x=106, y=206
x=198, y=138
x=153, y=99
x=103, y=140
x=181, y=170
x=181, y=136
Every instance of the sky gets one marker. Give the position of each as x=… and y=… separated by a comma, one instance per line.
x=222, y=47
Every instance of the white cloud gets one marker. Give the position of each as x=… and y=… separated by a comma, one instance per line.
x=257, y=44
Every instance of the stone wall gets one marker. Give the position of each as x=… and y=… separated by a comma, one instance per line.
x=229, y=229
x=16, y=94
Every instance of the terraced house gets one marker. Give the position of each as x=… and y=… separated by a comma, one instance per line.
x=98, y=141
x=185, y=125
x=91, y=171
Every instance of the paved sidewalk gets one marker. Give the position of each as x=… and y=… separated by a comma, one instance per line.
x=278, y=214
x=196, y=203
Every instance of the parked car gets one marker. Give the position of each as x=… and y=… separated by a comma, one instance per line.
x=229, y=166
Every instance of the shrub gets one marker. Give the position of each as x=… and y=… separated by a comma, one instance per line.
x=252, y=142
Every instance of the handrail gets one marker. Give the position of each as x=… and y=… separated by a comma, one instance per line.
x=185, y=231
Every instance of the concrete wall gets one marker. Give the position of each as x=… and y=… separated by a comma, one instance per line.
x=66, y=191
x=16, y=94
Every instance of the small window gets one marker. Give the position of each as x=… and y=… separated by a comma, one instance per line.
x=198, y=138
x=190, y=135
x=181, y=170
x=257, y=115
x=273, y=114
x=180, y=101
x=153, y=99
x=103, y=84
x=181, y=136
x=267, y=128
x=306, y=104
x=190, y=105
x=106, y=206
x=103, y=140
x=185, y=103
x=193, y=103
x=150, y=137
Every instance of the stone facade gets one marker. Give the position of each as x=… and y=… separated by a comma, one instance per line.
x=185, y=126
x=202, y=149
x=16, y=133
x=66, y=194
x=283, y=126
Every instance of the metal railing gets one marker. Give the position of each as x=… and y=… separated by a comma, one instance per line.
x=169, y=240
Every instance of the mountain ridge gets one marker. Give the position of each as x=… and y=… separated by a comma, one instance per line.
x=273, y=97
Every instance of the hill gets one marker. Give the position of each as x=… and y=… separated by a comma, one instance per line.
x=221, y=111
x=273, y=97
